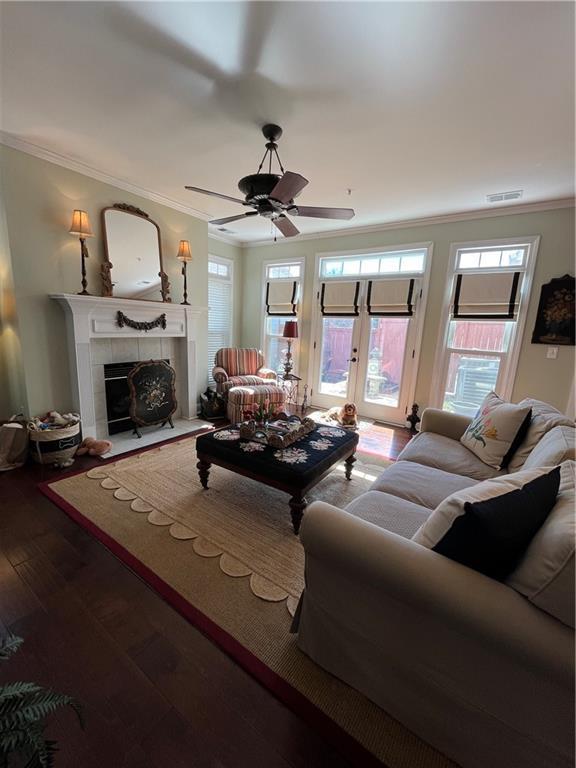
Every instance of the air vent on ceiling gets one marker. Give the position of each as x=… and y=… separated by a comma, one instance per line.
x=500, y=197
x=224, y=229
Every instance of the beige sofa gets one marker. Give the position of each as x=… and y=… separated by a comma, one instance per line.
x=468, y=663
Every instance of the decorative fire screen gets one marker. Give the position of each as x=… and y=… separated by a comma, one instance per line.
x=152, y=394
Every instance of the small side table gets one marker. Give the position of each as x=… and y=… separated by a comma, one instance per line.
x=290, y=383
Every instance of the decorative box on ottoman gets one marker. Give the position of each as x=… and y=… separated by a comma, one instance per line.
x=241, y=398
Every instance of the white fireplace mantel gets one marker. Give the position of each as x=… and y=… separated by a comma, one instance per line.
x=95, y=317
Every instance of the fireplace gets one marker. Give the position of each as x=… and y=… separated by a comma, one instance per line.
x=96, y=339
x=118, y=396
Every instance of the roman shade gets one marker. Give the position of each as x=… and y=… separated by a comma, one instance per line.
x=281, y=297
x=491, y=296
x=390, y=298
x=339, y=298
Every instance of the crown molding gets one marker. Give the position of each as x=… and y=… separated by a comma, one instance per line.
x=481, y=213
x=22, y=145
x=223, y=239
x=29, y=148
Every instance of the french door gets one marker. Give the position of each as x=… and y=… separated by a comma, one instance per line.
x=368, y=357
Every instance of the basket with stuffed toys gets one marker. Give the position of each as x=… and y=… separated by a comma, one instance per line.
x=57, y=438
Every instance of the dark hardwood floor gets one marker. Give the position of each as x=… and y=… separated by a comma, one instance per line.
x=156, y=693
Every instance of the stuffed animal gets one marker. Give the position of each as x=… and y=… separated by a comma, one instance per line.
x=93, y=447
x=347, y=416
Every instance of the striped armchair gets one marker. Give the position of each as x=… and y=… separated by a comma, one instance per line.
x=239, y=368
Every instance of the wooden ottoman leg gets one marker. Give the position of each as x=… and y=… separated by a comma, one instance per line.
x=350, y=461
x=298, y=504
x=203, y=471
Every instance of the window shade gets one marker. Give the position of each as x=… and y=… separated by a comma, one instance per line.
x=492, y=296
x=281, y=297
x=390, y=298
x=339, y=299
x=219, y=319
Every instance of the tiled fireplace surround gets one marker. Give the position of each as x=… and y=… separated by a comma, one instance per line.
x=124, y=351
x=95, y=338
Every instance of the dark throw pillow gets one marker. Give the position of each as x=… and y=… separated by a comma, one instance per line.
x=491, y=536
x=518, y=440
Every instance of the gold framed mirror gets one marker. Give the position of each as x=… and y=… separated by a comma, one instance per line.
x=133, y=267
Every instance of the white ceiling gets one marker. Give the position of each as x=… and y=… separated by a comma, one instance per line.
x=420, y=109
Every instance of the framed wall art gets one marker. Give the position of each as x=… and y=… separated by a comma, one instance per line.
x=555, y=318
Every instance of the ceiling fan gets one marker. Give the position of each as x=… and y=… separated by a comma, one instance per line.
x=272, y=194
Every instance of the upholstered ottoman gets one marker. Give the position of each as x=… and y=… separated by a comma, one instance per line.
x=241, y=398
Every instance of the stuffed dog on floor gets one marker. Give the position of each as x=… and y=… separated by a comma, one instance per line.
x=93, y=447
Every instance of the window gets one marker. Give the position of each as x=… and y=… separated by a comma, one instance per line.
x=486, y=302
x=220, y=268
x=282, y=286
x=219, y=309
x=387, y=263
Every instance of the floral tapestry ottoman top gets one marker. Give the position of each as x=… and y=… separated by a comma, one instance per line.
x=310, y=456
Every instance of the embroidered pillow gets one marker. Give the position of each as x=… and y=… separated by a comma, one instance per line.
x=493, y=431
x=489, y=527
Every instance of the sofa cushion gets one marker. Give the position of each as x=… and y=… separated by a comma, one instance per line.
x=389, y=512
x=556, y=446
x=442, y=518
x=420, y=484
x=492, y=535
x=545, y=575
x=494, y=429
x=441, y=452
x=544, y=418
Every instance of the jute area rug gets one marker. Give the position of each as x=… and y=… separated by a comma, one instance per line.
x=227, y=558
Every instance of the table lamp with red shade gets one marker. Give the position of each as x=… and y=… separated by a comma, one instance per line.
x=289, y=333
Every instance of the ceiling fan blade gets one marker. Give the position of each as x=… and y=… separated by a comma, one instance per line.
x=228, y=219
x=285, y=226
x=216, y=194
x=290, y=185
x=322, y=213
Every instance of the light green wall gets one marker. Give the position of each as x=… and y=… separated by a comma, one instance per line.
x=12, y=390
x=39, y=199
x=234, y=253
x=538, y=377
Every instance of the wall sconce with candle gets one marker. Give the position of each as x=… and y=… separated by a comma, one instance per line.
x=184, y=256
x=81, y=226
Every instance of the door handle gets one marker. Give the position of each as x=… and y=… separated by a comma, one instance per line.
x=351, y=360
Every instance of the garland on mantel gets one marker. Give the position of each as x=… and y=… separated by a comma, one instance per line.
x=141, y=325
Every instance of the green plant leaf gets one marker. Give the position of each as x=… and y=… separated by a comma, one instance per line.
x=15, y=690
x=23, y=708
x=35, y=706
x=9, y=644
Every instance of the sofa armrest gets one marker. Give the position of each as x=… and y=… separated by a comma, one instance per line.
x=444, y=423
x=362, y=566
x=267, y=373
x=219, y=374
